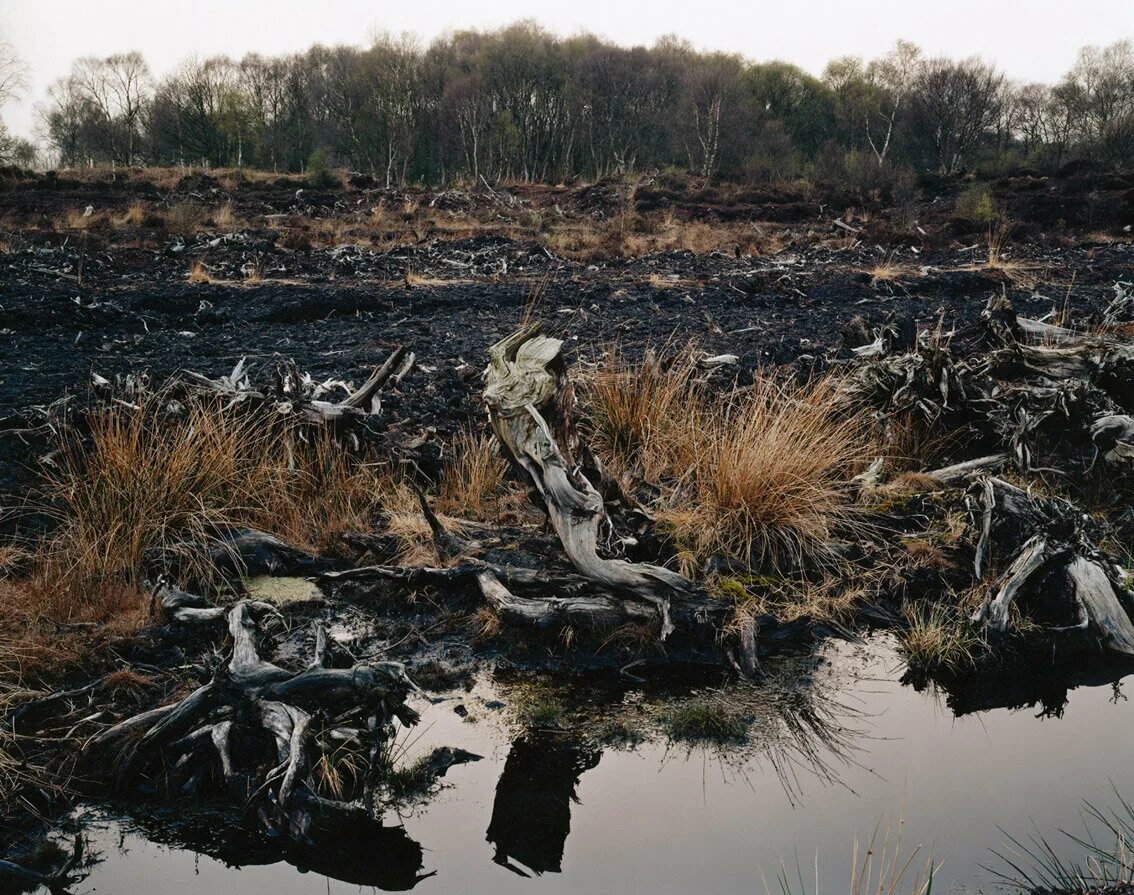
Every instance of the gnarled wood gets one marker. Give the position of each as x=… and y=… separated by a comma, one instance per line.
x=525, y=388
x=250, y=697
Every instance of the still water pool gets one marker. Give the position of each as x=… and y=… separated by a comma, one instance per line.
x=547, y=814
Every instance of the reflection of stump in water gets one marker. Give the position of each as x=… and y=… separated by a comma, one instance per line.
x=367, y=854
x=348, y=846
x=531, y=816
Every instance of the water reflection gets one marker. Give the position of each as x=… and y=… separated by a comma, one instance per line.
x=1018, y=685
x=351, y=847
x=846, y=743
x=531, y=814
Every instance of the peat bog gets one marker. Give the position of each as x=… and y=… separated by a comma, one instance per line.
x=632, y=536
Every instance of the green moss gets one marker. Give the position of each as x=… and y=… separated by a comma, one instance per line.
x=732, y=589
x=542, y=711
x=708, y=719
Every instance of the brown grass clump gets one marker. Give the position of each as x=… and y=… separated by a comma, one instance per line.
x=761, y=473
x=198, y=272
x=184, y=219
x=473, y=479
x=406, y=522
x=134, y=216
x=76, y=219
x=144, y=486
x=413, y=280
x=771, y=470
x=224, y=217
x=830, y=599
x=633, y=410
x=888, y=271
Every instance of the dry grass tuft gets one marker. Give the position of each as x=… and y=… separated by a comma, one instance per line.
x=880, y=866
x=185, y=219
x=889, y=270
x=406, y=523
x=936, y=638
x=761, y=473
x=633, y=410
x=198, y=272
x=76, y=219
x=473, y=479
x=831, y=599
x=998, y=258
x=146, y=485
x=134, y=216
x=414, y=280
x=486, y=623
x=224, y=217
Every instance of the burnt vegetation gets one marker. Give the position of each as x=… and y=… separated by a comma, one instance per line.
x=309, y=411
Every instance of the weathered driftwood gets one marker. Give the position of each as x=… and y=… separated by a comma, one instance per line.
x=522, y=597
x=958, y=472
x=529, y=404
x=296, y=394
x=1056, y=574
x=1045, y=395
x=252, y=704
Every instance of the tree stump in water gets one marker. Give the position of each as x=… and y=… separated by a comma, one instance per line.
x=530, y=404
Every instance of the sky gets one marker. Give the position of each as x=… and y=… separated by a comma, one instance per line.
x=1031, y=40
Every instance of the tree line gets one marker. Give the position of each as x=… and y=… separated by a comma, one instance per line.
x=522, y=103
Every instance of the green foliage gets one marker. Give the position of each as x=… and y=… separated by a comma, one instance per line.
x=520, y=102
x=975, y=205
x=542, y=711
x=319, y=172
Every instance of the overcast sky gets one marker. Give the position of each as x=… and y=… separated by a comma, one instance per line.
x=1028, y=39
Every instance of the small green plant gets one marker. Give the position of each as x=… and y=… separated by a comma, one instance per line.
x=936, y=638
x=706, y=718
x=542, y=711
x=319, y=173
x=975, y=204
x=1036, y=864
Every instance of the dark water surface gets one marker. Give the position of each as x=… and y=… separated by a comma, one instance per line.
x=548, y=815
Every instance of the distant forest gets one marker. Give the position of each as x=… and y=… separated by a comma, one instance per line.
x=521, y=103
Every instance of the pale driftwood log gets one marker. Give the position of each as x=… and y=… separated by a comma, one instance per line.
x=521, y=597
x=525, y=388
x=295, y=394
x=1038, y=331
x=949, y=475
x=182, y=607
x=1057, y=556
x=249, y=694
x=1113, y=438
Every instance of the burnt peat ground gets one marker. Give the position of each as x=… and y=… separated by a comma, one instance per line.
x=116, y=299
x=277, y=269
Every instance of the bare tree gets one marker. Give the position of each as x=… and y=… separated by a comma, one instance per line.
x=952, y=105
x=711, y=86
x=13, y=82
x=64, y=119
x=891, y=77
x=1098, y=93
x=118, y=90
x=13, y=73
